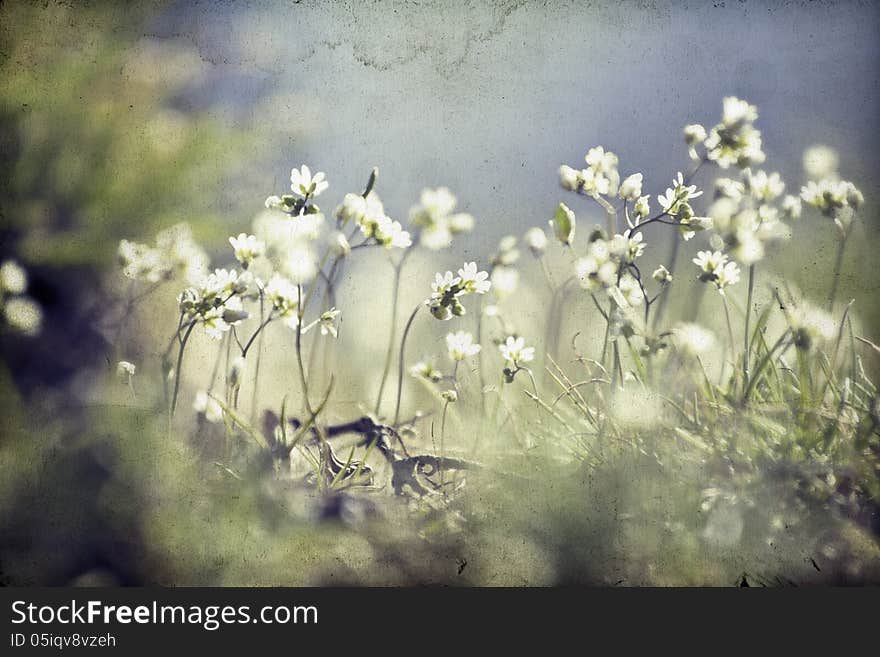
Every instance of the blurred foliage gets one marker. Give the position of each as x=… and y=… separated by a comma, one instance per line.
x=96, y=146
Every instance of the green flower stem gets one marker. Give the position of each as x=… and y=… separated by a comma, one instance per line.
x=401, y=361
x=746, y=358
x=183, y=342
x=835, y=280
x=389, y=354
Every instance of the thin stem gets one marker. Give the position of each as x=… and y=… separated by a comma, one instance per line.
x=389, y=354
x=748, y=321
x=299, y=359
x=729, y=330
x=838, y=266
x=189, y=330
x=400, y=363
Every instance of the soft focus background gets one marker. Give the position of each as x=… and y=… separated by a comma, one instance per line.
x=118, y=121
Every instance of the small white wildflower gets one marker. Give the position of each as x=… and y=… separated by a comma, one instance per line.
x=449, y=396
x=694, y=134
x=461, y=345
x=283, y=295
x=304, y=184
x=125, y=369
x=507, y=253
x=504, y=281
x=763, y=186
x=709, y=261
x=536, y=240
x=726, y=275
x=301, y=264
x=820, y=162
x=472, y=280
x=693, y=339
x=209, y=407
x=514, y=351
x=13, y=278
x=662, y=275
x=568, y=178
x=461, y=223
x=236, y=372
x=247, y=248
x=791, y=206
x=810, y=325
x=426, y=371
x=641, y=209
x=631, y=187
x=327, y=322
x=23, y=315
x=339, y=245
x=630, y=290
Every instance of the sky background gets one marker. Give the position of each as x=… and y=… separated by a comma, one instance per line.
x=489, y=98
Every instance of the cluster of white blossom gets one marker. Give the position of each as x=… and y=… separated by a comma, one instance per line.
x=19, y=311
x=747, y=214
x=675, y=203
x=175, y=253
x=435, y=219
x=834, y=198
x=216, y=301
x=368, y=213
x=605, y=267
x=599, y=178
x=447, y=290
x=734, y=141
x=715, y=267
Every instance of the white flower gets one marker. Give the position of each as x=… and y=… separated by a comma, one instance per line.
x=461, y=223
x=709, y=262
x=677, y=195
x=630, y=290
x=642, y=209
x=339, y=245
x=206, y=405
x=662, y=275
x=593, y=182
x=461, y=345
x=811, y=324
x=303, y=184
x=595, y=272
x=726, y=275
x=820, y=162
x=514, y=351
x=13, y=278
x=631, y=187
x=693, y=339
x=247, y=248
x=748, y=249
x=730, y=189
x=737, y=112
x=449, y=396
x=764, y=187
x=601, y=161
x=507, y=253
x=124, y=369
x=327, y=323
x=694, y=134
x=443, y=284
x=23, y=315
x=284, y=297
x=791, y=206
x=426, y=371
x=735, y=140
x=390, y=234
x=504, y=281
x=438, y=202
x=436, y=236
x=472, y=280
x=536, y=239
x=569, y=178
x=301, y=264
